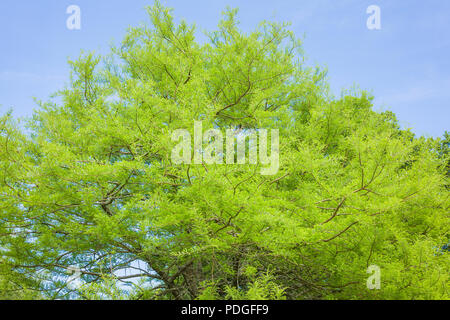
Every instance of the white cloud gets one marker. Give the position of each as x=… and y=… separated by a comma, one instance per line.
x=28, y=76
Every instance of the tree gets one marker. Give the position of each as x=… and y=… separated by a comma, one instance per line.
x=92, y=184
x=444, y=149
x=14, y=286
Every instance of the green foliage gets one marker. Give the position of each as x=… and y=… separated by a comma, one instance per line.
x=93, y=184
x=259, y=287
x=444, y=150
x=106, y=289
x=13, y=286
x=263, y=288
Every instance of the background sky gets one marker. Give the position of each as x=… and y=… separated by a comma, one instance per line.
x=405, y=65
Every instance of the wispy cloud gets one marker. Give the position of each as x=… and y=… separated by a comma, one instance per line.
x=419, y=92
x=28, y=76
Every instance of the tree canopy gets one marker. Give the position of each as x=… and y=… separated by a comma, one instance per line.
x=90, y=181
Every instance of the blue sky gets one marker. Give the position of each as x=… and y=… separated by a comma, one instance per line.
x=405, y=65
